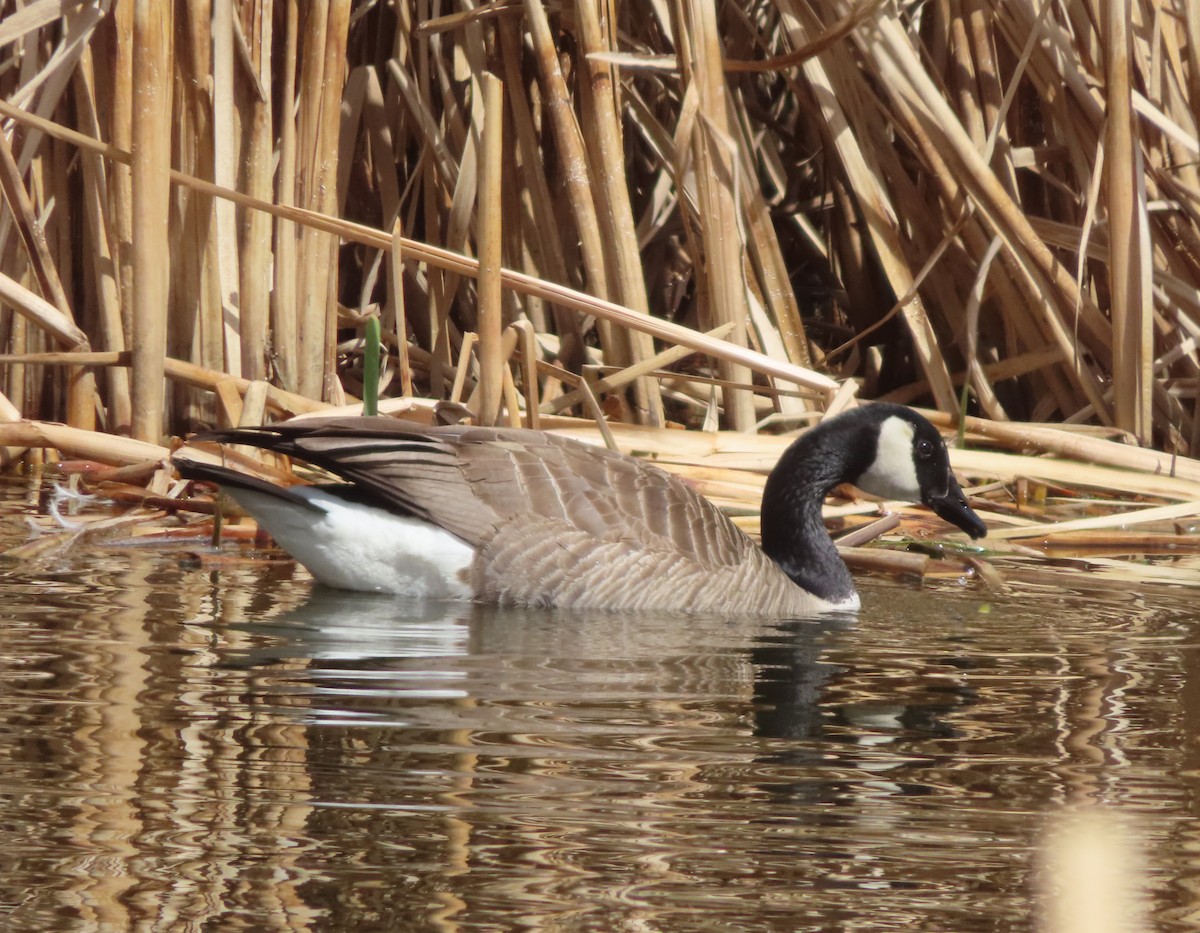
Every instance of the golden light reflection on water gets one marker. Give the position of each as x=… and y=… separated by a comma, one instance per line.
x=188, y=748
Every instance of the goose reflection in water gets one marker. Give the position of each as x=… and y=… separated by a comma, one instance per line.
x=811, y=710
x=387, y=651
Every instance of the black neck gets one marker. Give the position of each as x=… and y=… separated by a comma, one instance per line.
x=793, y=533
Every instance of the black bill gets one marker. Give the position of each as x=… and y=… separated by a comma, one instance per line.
x=952, y=506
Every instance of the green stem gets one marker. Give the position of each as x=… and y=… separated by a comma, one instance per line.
x=371, y=368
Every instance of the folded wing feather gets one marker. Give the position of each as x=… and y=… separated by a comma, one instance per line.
x=472, y=481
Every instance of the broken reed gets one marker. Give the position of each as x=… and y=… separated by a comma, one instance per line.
x=1004, y=195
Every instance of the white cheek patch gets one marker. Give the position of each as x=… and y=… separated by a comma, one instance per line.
x=893, y=474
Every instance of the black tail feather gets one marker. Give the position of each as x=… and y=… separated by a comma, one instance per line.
x=233, y=481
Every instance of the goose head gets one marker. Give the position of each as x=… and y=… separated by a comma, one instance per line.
x=886, y=450
x=910, y=463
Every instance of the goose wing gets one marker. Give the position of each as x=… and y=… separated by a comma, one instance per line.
x=478, y=482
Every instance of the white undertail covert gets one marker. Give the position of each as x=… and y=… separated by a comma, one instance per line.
x=354, y=546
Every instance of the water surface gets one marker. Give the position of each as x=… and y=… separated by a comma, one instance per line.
x=215, y=744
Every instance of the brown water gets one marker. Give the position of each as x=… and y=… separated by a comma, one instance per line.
x=190, y=748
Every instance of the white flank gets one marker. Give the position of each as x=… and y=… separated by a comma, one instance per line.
x=893, y=475
x=359, y=547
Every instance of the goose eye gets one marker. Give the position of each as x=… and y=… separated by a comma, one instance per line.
x=924, y=449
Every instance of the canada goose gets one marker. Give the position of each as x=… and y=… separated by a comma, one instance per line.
x=519, y=517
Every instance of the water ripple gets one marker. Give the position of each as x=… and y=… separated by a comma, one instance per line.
x=235, y=749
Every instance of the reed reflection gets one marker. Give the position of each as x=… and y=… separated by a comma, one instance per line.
x=162, y=799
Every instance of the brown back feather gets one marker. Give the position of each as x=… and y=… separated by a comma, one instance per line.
x=474, y=481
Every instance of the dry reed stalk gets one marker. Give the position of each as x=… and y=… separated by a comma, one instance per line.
x=576, y=172
x=459, y=134
x=592, y=406
x=80, y=443
x=892, y=562
x=322, y=64
x=463, y=367
x=545, y=245
x=40, y=312
x=420, y=410
x=783, y=330
x=1118, y=520
x=1126, y=201
x=529, y=381
x=706, y=391
x=181, y=371
x=1074, y=474
x=399, y=313
x=199, y=377
x=379, y=132
x=433, y=179
x=9, y=413
x=709, y=151
x=255, y=259
x=285, y=327
x=197, y=311
x=226, y=159
x=254, y=403
x=1086, y=449
x=491, y=362
x=152, y=34
x=229, y=401
x=615, y=211
x=119, y=200
x=101, y=260
x=512, y=401
x=26, y=20
x=314, y=147
x=16, y=378
x=506, y=388
x=1129, y=542
x=726, y=482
